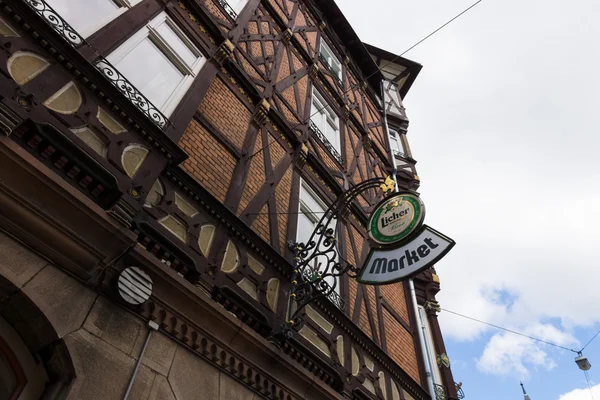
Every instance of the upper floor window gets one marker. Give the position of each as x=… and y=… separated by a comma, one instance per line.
x=237, y=5
x=396, y=143
x=326, y=120
x=88, y=16
x=331, y=59
x=311, y=210
x=160, y=61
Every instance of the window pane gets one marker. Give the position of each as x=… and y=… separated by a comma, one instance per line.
x=151, y=72
x=8, y=380
x=325, y=119
x=305, y=228
x=83, y=14
x=177, y=44
x=311, y=211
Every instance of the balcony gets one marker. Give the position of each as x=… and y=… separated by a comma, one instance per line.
x=228, y=9
x=69, y=34
x=440, y=392
x=313, y=127
x=334, y=74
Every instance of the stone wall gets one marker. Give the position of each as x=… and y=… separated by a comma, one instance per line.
x=104, y=339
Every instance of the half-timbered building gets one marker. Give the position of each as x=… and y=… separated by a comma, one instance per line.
x=156, y=159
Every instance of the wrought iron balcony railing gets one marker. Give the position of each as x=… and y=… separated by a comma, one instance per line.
x=398, y=153
x=333, y=297
x=461, y=394
x=65, y=30
x=57, y=22
x=227, y=8
x=440, y=392
x=315, y=129
x=132, y=93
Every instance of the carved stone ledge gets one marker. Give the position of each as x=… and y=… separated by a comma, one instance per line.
x=261, y=112
x=286, y=36
x=432, y=306
x=303, y=156
x=215, y=353
x=346, y=112
x=9, y=121
x=123, y=213
x=224, y=51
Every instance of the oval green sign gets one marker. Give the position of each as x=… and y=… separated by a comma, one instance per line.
x=396, y=217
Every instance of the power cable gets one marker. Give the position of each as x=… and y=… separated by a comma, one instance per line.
x=510, y=331
x=587, y=378
x=382, y=67
x=401, y=54
x=590, y=341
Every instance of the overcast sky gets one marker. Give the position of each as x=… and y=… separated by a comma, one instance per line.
x=504, y=125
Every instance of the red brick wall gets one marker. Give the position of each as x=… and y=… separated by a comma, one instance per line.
x=222, y=108
x=209, y=162
x=400, y=345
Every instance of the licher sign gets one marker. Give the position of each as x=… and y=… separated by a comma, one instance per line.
x=392, y=265
x=396, y=218
x=402, y=245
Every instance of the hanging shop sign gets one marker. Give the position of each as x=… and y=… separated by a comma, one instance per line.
x=396, y=218
x=402, y=245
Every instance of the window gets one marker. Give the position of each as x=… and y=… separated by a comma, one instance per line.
x=331, y=60
x=312, y=208
x=160, y=61
x=326, y=120
x=88, y=16
x=237, y=5
x=396, y=143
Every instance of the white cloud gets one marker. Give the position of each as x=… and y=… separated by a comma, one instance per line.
x=504, y=130
x=509, y=354
x=581, y=394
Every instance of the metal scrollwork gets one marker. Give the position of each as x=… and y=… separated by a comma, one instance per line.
x=132, y=93
x=459, y=391
x=440, y=392
x=313, y=127
x=56, y=21
x=318, y=264
x=227, y=8
x=114, y=76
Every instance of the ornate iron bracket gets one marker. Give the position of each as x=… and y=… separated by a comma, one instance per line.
x=318, y=263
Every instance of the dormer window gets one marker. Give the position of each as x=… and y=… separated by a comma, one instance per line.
x=331, y=60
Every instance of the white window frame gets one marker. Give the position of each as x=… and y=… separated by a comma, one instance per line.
x=322, y=115
x=150, y=31
x=429, y=346
x=396, y=141
x=239, y=5
x=332, y=60
x=308, y=196
x=123, y=5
